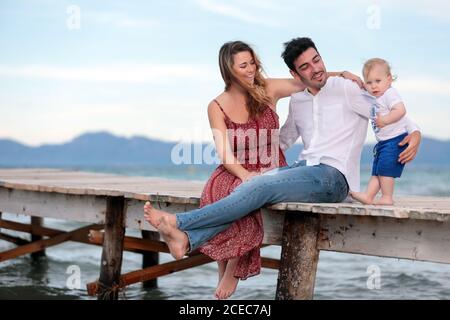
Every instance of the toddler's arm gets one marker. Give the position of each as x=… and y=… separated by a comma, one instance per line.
x=396, y=113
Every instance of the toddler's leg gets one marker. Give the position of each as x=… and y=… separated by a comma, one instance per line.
x=372, y=189
x=387, y=191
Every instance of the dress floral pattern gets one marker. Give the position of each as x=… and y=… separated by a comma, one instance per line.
x=255, y=144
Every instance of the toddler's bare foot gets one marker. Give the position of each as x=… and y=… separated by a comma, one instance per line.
x=384, y=201
x=362, y=197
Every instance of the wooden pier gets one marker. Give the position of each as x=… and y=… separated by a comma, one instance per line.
x=416, y=228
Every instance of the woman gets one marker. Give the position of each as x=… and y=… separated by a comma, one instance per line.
x=245, y=128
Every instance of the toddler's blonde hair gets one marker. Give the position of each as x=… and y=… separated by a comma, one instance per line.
x=369, y=64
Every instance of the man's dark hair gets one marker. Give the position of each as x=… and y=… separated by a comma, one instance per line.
x=294, y=48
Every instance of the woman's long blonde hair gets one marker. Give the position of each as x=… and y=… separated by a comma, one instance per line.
x=257, y=98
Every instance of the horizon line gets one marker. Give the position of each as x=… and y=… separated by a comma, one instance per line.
x=147, y=137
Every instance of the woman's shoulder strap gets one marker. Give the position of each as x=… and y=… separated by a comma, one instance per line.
x=217, y=102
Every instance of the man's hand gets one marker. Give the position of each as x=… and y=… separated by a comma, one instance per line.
x=353, y=77
x=410, y=152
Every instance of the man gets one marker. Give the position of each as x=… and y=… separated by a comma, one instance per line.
x=331, y=116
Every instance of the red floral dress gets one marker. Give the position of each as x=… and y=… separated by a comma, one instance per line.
x=256, y=146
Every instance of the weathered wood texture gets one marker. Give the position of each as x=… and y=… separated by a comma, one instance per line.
x=188, y=192
x=41, y=244
x=111, y=262
x=150, y=259
x=36, y=222
x=299, y=257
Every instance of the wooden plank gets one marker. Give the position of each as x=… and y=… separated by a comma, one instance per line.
x=111, y=262
x=426, y=208
x=273, y=226
x=386, y=237
x=41, y=244
x=299, y=257
x=135, y=212
x=188, y=192
x=80, y=208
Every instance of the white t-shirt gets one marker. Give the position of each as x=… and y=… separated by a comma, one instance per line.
x=333, y=126
x=382, y=106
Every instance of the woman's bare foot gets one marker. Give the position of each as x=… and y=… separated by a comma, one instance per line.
x=152, y=215
x=229, y=282
x=384, y=201
x=176, y=240
x=362, y=197
x=222, y=266
x=166, y=224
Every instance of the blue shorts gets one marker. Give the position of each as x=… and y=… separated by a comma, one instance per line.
x=385, y=162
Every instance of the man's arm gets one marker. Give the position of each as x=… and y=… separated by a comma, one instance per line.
x=357, y=100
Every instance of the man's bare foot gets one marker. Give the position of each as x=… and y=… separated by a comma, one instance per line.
x=227, y=286
x=384, y=201
x=362, y=197
x=152, y=215
x=222, y=266
x=176, y=240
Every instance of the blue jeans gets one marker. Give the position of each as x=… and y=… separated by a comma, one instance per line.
x=297, y=183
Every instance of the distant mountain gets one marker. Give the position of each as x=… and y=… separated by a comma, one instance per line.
x=105, y=149
x=432, y=152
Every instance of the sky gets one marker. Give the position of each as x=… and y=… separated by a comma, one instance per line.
x=149, y=68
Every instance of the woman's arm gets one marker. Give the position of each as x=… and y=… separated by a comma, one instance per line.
x=219, y=129
x=282, y=88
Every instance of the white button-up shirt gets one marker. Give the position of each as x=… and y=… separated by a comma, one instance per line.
x=333, y=126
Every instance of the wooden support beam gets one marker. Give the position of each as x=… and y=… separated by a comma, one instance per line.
x=36, y=222
x=41, y=244
x=111, y=262
x=153, y=272
x=97, y=237
x=150, y=259
x=133, y=243
x=299, y=256
x=81, y=238
x=270, y=263
x=44, y=231
x=16, y=240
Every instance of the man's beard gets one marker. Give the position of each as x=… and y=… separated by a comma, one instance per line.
x=314, y=84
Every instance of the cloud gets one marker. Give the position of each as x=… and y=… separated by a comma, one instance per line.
x=253, y=12
x=424, y=85
x=131, y=73
x=118, y=20
x=436, y=9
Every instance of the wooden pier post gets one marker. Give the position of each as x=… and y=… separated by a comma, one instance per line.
x=299, y=256
x=150, y=259
x=111, y=262
x=36, y=222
